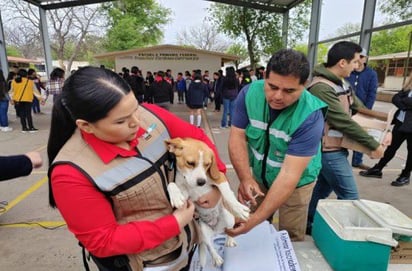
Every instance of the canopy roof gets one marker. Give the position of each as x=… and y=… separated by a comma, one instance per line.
x=280, y=6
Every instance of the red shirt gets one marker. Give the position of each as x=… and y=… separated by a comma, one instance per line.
x=88, y=213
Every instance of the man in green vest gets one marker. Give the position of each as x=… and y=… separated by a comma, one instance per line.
x=274, y=144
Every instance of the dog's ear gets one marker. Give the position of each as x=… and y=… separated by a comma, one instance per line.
x=214, y=172
x=174, y=145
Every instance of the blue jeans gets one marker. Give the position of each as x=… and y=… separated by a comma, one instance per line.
x=36, y=105
x=336, y=175
x=4, y=107
x=357, y=158
x=228, y=106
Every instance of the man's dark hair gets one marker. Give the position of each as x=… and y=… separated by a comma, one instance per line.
x=135, y=70
x=342, y=50
x=289, y=62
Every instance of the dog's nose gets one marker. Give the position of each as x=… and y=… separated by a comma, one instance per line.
x=201, y=181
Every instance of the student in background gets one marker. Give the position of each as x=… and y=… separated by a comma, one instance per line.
x=196, y=94
x=364, y=81
x=4, y=104
x=402, y=131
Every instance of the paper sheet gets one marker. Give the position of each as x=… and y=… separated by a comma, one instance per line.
x=263, y=249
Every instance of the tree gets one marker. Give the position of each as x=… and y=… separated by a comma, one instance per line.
x=390, y=41
x=260, y=30
x=134, y=23
x=322, y=51
x=68, y=27
x=397, y=9
x=239, y=50
x=348, y=28
x=204, y=36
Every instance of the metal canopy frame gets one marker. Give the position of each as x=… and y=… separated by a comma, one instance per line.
x=277, y=6
x=56, y=4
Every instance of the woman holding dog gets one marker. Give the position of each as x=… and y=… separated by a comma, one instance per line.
x=109, y=167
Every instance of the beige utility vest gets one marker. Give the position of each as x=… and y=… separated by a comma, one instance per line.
x=332, y=139
x=136, y=187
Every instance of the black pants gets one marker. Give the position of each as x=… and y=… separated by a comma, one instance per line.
x=218, y=101
x=397, y=139
x=24, y=112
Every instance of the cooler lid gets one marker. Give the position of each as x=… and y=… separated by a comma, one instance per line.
x=386, y=216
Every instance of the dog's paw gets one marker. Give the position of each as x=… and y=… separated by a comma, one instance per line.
x=239, y=210
x=230, y=242
x=217, y=260
x=176, y=197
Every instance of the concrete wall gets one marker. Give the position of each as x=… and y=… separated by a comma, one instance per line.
x=393, y=82
x=178, y=60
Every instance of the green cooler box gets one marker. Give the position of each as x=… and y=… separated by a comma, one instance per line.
x=358, y=234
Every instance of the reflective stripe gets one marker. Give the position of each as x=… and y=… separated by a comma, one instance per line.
x=109, y=180
x=259, y=124
x=257, y=155
x=157, y=148
x=279, y=134
x=270, y=162
x=120, y=174
x=274, y=163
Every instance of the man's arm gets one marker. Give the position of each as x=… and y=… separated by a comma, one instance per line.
x=281, y=189
x=239, y=157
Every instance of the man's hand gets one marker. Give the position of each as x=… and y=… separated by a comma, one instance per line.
x=241, y=227
x=248, y=191
x=387, y=140
x=378, y=153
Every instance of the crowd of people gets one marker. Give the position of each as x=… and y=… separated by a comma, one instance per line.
x=196, y=89
x=106, y=147
x=24, y=90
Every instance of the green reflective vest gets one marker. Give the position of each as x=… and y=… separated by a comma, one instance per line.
x=268, y=142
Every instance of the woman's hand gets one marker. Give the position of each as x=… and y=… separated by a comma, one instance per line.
x=184, y=214
x=210, y=199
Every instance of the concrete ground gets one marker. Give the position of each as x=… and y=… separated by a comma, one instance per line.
x=34, y=237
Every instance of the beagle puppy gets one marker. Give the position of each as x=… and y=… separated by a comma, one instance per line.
x=197, y=173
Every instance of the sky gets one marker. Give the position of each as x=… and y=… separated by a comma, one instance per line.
x=190, y=13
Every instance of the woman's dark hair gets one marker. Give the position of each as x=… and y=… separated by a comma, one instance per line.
x=20, y=74
x=30, y=72
x=230, y=81
x=88, y=94
x=56, y=74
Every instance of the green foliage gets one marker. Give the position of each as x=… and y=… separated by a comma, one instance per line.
x=322, y=51
x=239, y=50
x=13, y=51
x=260, y=30
x=397, y=9
x=134, y=23
x=390, y=41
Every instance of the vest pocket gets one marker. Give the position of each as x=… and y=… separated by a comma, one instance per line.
x=146, y=200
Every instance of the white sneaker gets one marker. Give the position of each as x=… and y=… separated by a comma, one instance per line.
x=6, y=129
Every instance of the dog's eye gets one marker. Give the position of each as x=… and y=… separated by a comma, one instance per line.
x=190, y=163
x=207, y=165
